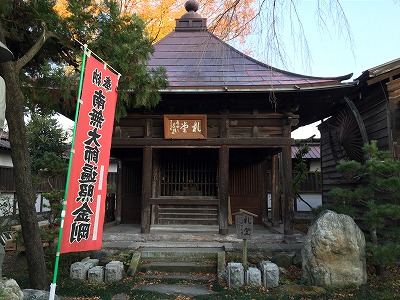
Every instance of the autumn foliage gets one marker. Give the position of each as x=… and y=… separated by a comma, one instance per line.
x=227, y=19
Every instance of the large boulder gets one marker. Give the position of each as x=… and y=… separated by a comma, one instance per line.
x=30, y=294
x=10, y=290
x=333, y=252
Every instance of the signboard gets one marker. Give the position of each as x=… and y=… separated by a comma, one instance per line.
x=190, y=127
x=244, y=224
x=85, y=203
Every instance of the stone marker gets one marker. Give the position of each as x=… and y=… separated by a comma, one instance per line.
x=96, y=274
x=90, y=262
x=269, y=273
x=235, y=275
x=79, y=269
x=253, y=277
x=114, y=271
x=333, y=252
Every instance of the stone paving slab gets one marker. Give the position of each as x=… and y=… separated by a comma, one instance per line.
x=128, y=237
x=177, y=289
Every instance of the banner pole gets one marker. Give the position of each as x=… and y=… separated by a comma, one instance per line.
x=53, y=284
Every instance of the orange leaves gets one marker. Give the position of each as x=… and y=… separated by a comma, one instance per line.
x=226, y=18
x=229, y=19
x=61, y=8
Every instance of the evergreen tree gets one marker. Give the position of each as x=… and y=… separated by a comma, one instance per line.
x=48, y=147
x=44, y=73
x=377, y=197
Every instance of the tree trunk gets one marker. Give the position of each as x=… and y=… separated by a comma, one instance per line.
x=22, y=175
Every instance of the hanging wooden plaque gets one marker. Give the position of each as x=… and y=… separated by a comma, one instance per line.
x=189, y=127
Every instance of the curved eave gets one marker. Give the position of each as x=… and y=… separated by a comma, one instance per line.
x=259, y=89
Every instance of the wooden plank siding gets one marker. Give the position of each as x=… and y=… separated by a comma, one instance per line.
x=246, y=187
x=133, y=127
x=394, y=115
x=372, y=104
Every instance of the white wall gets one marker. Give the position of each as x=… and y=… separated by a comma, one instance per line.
x=315, y=165
x=5, y=159
x=113, y=167
x=313, y=199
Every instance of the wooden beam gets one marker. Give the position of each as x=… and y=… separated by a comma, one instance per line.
x=275, y=207
x=223, y=189
x=149, y=128
x=270, y=142
x=385, y=76
x=146, y=188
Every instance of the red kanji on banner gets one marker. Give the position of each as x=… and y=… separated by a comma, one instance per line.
x=84, y=213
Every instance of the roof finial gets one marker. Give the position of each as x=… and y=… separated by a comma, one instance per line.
x=191, y=5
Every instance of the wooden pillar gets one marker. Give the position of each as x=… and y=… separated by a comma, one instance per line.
x=117, y=212
x=264, y=196
x=275, y=207
x=146, y=188
x=287, y=183
x=223, y=189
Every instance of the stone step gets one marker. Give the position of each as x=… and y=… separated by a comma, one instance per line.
x=185, y=254
x=178, y=267
x=177, y=276
x=187, y=221
x=186, y=214
x=181, y=260
x=188, y=228
x=183, y=209
x=184, y=218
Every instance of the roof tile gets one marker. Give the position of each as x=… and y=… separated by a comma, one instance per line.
x=200, y=59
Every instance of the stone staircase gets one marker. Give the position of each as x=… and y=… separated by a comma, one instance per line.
x=179, y=262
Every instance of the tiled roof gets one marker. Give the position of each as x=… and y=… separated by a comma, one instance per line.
x=314, y=152
x=4, y=142
x=197, y=59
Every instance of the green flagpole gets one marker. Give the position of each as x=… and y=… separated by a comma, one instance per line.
x=53, y=284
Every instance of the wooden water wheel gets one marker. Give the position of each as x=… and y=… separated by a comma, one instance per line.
x=347, y=134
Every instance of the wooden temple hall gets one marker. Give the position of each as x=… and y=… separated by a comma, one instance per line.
x=220, y=139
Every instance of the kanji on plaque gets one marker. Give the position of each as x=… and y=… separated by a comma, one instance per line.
x=185, y=127
x=86, y=195
x=244, y=226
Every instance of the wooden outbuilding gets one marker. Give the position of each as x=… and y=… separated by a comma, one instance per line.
x=369, y=111
x=204, y=151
